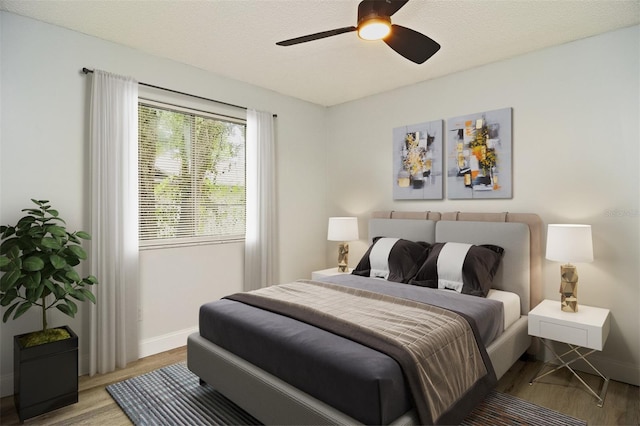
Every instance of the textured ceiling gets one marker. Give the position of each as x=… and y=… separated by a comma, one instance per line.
x=236, y=38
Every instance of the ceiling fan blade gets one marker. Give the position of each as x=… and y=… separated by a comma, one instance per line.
x=411, y=44
x=392, y=6
x=375, y=8
x=316, y=36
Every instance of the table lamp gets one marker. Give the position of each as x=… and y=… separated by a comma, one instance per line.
x=569, y=243
x=343, y=229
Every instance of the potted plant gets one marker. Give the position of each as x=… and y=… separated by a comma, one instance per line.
x=38, y=257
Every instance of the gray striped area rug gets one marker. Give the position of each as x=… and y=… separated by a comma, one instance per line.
x=501, y=409
x=173, y=396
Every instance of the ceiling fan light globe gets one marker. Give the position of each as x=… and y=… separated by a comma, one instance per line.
x=374, y=29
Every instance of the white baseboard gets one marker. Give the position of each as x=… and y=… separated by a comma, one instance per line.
x=615, y=370
x=6, y=385
x=166, y=342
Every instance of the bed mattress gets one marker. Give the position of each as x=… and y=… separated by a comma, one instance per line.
x=511, y=305
x=357, y=380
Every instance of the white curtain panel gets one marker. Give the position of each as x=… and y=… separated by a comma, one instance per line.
x=260, y=259
x=114, y=221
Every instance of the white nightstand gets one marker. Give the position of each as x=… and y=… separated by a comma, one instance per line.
x=315, y=275
x=586, y=329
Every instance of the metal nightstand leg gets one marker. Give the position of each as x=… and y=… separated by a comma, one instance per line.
x=574, y=350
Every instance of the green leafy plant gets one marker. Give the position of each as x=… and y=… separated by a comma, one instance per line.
x=38, y=257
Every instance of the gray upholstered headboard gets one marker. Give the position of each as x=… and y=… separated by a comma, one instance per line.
x=409, y=229
x=520, y=239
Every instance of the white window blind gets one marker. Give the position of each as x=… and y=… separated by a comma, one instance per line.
x=191, y=176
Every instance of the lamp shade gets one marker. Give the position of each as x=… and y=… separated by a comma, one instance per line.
x=569, y=243
x=343, y=229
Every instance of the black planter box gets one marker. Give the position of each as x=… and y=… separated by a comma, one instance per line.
x=45, y=377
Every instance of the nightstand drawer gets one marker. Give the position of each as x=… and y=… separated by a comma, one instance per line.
x=563, y=333
x=588, y=328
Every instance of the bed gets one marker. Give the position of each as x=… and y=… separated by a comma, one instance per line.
x=275, y=395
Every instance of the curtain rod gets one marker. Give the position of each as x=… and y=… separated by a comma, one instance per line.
x=90, y=71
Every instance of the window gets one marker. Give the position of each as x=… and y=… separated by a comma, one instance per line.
x=191, y=176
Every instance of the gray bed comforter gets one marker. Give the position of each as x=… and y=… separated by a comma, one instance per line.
x=355, y=377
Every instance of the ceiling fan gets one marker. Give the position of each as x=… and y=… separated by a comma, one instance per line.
x=374, y=23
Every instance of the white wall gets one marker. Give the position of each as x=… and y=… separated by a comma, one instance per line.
x=576, y=156
x=44, y=147
x=575, y=118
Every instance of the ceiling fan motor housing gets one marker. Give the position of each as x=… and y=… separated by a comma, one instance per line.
x=368, y=17
x=367, y=10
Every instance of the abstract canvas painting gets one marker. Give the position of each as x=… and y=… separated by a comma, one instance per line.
x=417, y=161
x=479, y=155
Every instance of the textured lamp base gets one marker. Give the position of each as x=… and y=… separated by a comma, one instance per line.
x=569, y=288
x=343, y=257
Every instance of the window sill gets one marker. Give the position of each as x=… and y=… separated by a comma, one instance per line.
x=190, y=243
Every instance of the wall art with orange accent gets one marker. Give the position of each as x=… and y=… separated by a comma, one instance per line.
x=479, y=155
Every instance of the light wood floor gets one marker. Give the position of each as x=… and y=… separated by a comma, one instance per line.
x=563, y=392
x=560, y=392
